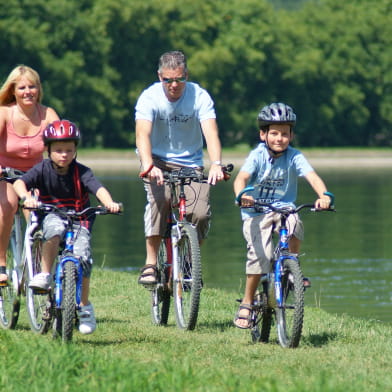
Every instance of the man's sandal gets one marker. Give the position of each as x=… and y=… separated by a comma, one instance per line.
x=3, y=271
x=248, y=318
x=148, y=275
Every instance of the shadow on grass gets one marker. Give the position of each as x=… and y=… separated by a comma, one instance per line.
x=319, y=340
x=216, y=325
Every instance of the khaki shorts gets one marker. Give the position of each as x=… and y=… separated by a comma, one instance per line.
x=158, y=202
x=258, y=232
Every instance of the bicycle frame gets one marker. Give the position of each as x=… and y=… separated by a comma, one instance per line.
x=67, y=257
x=175, y=229
x=16, y=242
x=282, y=252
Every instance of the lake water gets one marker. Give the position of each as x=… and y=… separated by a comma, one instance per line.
x=347, y=254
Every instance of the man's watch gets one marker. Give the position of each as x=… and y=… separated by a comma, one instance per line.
x=219, y=163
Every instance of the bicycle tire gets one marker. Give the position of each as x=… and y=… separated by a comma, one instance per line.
x=37, y=302
x=68, y=306
x=289, y=317
x=187, y=288
x=160, y=295
x=9, y=293
x=262, y=322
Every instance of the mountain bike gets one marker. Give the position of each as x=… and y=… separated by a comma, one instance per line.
x=178, y=264
x=58, y=306
x=11, y=290
x=281, y=291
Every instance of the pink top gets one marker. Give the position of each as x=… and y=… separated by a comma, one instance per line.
x=21, y=152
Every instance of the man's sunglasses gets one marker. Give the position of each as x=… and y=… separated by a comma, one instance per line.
x=172, y=80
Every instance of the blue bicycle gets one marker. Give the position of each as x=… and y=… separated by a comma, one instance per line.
x=281, y=291
x=59, y=305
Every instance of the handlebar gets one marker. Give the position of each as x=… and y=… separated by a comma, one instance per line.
x=89, y=211
x=260, y=206
x=189, y=173
x=286, y=209
x=9, y=174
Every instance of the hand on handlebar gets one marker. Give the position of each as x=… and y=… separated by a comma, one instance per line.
x=322, y=203
x=152, y=173
x=114, y=207
x=246, y=201
x=215, y=174
x=30, y=202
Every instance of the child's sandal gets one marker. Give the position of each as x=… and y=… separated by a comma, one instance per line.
x=145, y=277
x=248, y=318
x=3, y=271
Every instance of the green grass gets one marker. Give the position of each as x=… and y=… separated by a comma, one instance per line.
x=128, y=353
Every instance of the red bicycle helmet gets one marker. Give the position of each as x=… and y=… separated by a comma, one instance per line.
x=61, y=130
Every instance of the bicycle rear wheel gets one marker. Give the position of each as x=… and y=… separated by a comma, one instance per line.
x=37, y=302
x=290, y=316
x=160, y=295
x=9, y=292
x=68, y=306
x=188, y=283
x=261, y=329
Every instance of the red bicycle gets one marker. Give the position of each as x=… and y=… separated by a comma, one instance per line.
x=179, y=264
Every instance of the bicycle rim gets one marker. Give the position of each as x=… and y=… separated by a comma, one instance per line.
x=38, y=302
x=262, y=317
x=68, y=306
x=187, y=287
x=160, y=295
x=9, y=297
x=290, y=316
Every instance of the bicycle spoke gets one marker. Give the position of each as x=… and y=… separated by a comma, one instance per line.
x=188, y=285
x=290, y=314
x=160, y=295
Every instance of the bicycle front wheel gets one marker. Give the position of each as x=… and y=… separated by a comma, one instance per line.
x=68, y=306
x=188, y=284
x=160, y=295
x=38, y=302
x=290, y=315
x=9, y=292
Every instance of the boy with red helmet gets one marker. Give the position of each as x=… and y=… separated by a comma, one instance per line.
x=63, y=181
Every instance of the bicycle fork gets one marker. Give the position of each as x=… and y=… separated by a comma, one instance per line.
x=59, y=277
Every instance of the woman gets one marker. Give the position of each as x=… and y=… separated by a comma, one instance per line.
x=22, y=121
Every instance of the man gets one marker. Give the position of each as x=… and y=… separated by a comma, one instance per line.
x=172, y=116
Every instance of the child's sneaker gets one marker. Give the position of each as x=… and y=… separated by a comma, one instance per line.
x=87, y=323
x=41, y=281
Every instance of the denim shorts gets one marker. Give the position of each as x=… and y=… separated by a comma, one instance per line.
x=53, y=225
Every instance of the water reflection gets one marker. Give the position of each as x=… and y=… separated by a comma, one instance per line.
x=347, y=254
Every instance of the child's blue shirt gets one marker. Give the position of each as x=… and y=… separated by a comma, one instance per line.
x=275, y=180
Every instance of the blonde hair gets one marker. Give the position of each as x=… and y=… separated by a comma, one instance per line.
x=7, y=90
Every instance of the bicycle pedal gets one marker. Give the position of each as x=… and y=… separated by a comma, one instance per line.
x=41, y=291
x=150, y=287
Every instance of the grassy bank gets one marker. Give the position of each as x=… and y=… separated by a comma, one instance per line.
x=128, y=353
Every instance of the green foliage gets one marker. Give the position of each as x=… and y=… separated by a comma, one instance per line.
x=330, y=60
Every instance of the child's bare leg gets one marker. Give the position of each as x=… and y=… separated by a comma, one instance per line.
x=50, y=250
x=85, y=291
x=252, y=282
x=294, y=244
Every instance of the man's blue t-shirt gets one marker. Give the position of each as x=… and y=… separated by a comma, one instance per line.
x=274, y=180
x=176, y=132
